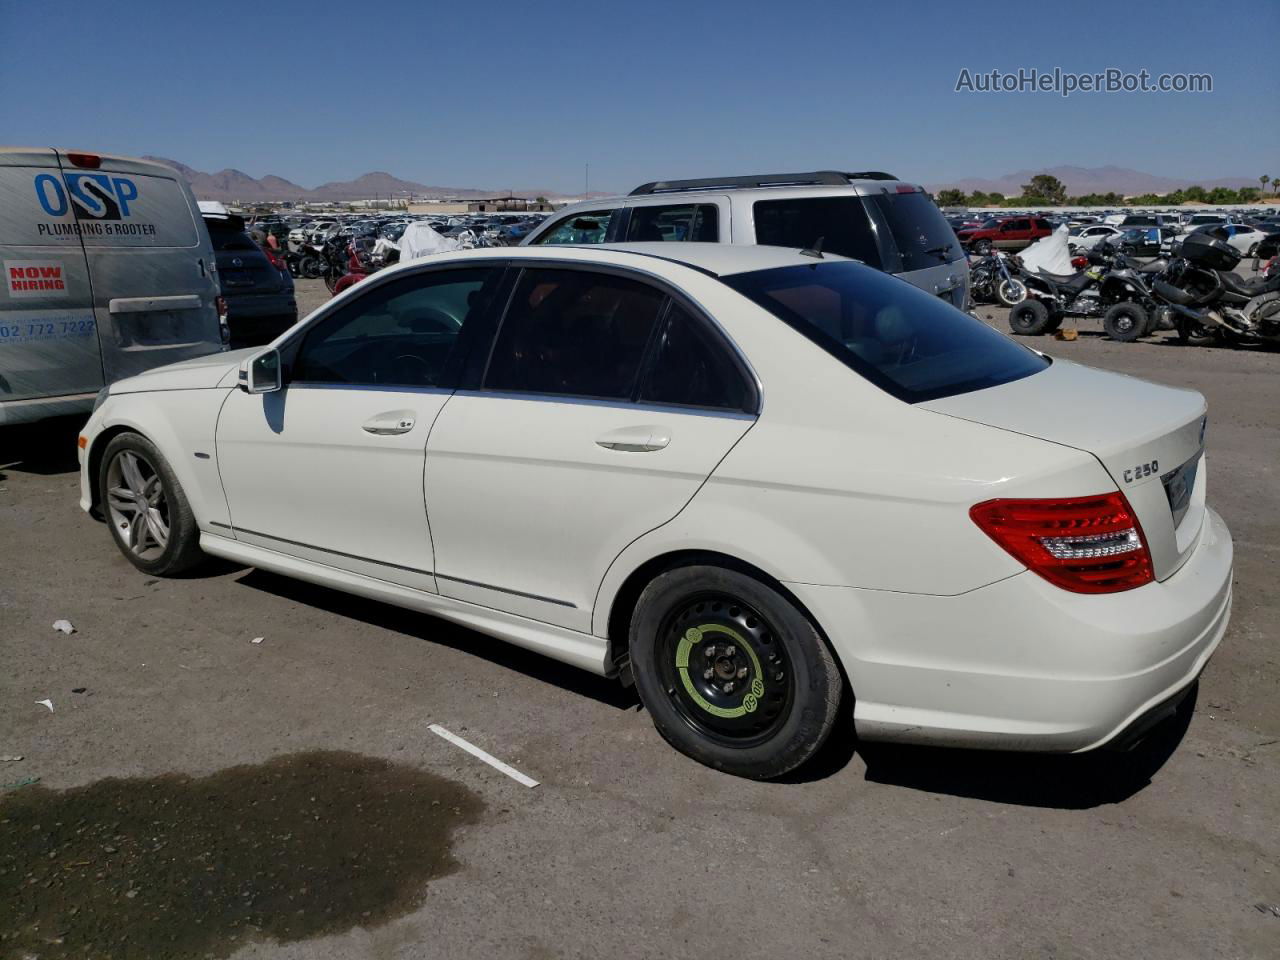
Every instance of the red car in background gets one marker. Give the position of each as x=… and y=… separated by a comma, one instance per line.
x=1006, y=233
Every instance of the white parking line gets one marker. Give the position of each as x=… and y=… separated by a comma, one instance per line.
x=488, y=758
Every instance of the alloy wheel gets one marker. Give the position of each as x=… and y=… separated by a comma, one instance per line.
x=136, y=503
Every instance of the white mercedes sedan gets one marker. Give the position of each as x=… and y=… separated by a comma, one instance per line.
x=762, y=484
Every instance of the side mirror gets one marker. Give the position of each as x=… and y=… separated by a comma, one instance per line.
x=261, y=373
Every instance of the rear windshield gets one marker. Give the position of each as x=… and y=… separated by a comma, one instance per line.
x=841, y=223
x=924, y=239
x=227, y=237
x=911, y=345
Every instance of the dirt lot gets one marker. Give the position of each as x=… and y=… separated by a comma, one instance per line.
x=286, y=798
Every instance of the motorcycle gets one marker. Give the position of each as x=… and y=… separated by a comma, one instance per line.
x=308, y=261
x=1207, y=301
x=992, y=281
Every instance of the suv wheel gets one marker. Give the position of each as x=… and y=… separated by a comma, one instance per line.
x=733, y=674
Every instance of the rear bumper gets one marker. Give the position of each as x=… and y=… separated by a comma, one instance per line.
x=260, y=319
x=1021, y=664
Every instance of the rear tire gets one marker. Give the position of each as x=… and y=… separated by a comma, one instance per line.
x=150, y=519
x=1030, y=318
x=1125, y=322
x=981, y=248
x=733, y=674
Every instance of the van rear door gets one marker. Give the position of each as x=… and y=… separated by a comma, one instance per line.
x=48, y=342
x=150, y=260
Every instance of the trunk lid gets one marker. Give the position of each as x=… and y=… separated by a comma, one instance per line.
x=1150, y=439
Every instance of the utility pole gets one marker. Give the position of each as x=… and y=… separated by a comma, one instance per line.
x=586, y=180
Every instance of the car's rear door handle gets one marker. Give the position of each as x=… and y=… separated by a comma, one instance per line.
x=642, y=439
x=390, y=423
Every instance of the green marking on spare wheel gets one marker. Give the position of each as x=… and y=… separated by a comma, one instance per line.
x=695, y=635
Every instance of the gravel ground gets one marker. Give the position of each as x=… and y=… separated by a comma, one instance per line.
x=229, y=755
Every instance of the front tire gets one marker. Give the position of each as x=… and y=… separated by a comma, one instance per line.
x=733, y=674
x=1030, y=318
x=1011, y=291
x=146, y=508
x=1125, y=322
x=981, y=248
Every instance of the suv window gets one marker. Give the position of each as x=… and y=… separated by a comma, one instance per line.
x=574, y=332
x=1043, y=225
x=692, y=367
x=579, y=228
x=840, y=222
x=407, y=333
x=922, y=236
x=1019, y=224
x=697, y=222
x=911, y=345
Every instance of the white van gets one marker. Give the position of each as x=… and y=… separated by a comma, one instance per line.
x=108, y=271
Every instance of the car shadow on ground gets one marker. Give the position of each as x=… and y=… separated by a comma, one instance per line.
x=45, y=448
x=1060, y=781
x=434, y=630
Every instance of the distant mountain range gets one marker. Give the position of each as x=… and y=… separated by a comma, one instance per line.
x=1084, y=180
x=236, y=185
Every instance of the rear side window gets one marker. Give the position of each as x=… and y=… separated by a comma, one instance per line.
x=696, y=222
x=911, y=345
x=692, y=367
x=574, y=332
x=580, y=228
x=1043, y=225
x=841, y=223
x=923, y=238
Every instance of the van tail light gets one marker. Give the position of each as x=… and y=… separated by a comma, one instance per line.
x=90, y=161
x=1081, y=544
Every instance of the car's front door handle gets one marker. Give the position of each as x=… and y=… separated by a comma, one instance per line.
x=391, y=423
x=643, y=439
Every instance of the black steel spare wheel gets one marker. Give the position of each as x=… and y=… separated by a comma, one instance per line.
x=723, y=668
x=732, y=672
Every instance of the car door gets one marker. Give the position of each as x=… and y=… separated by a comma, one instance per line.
x=329, y=468
x=605, y=405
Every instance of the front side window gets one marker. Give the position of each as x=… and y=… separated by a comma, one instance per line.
x=911, y=345
x=692, y=367
x=407, y=333
x=689, y=221
x=574, y=332
x=580, y=228
x=840, y=223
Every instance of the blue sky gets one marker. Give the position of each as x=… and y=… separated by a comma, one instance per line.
x=499, y=94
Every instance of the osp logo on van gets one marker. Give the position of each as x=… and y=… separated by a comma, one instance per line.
x=100, y=202
x=97, y=196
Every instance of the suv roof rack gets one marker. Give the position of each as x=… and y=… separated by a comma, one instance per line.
x=831, y=177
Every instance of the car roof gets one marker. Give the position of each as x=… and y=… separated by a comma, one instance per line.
x=716, y=259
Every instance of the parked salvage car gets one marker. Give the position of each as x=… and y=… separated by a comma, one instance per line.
x=869, y=215
x=1005, y=233
x=259, y=295
x=758, y=482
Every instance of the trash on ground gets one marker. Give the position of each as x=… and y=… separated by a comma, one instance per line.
x=79, y=689
x=257, y=639
x=46, y=703
x=24, y=782
x=1271, y=908
x=64, y=626
x=1068, y=334
x=10, y=759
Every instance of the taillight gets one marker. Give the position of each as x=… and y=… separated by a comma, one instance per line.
x=1081, y=544
x=224, y=328
x=90, y=161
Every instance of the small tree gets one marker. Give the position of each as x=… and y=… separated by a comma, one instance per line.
x=1047, y=188
x=1264, y=180
x=951, y=198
